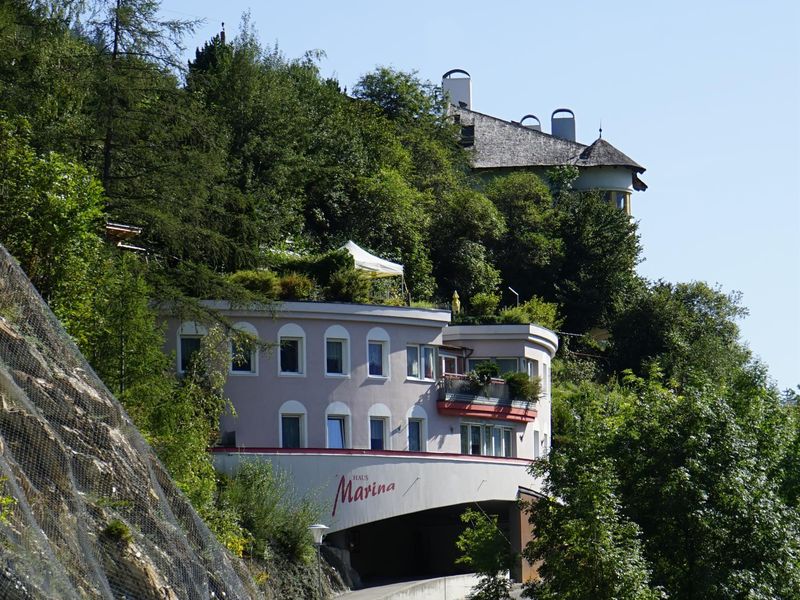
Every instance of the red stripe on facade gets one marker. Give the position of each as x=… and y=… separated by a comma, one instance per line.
x=486, y=411
x=362, y=452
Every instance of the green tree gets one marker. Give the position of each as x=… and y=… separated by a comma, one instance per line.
x=50, y=212
x=463, y=227
x=689, y=328
x=589, y=547
x=487, y=551
x=596, y=274
x=530, y=249
x=131, y=35
x=697, y=486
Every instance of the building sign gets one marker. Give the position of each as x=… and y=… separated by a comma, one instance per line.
x=356, y=488
x=363, y=487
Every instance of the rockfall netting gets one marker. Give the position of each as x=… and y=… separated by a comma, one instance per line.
x=86, y=508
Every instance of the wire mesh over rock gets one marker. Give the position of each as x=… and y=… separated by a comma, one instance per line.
x=86, y=508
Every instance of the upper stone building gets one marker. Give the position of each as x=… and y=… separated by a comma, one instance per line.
x=498, y=146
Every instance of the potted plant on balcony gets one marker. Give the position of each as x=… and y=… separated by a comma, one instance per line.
x=522, y=387
x=481, y=376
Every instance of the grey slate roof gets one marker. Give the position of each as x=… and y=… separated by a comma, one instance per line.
x=603, y=154
x=505, y=144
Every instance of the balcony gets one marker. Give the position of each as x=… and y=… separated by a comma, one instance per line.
x=460, y=397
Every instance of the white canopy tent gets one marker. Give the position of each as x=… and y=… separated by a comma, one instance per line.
x=371, y=264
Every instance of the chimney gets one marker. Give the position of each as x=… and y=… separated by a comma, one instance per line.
x=458, y=89
x=563, y=127
x=534, y=126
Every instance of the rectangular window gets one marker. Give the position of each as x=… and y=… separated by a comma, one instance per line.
x=450, y=364
x=475, y=439
x=334, y=357
x=504, y=365
x=497, y=439
x=412, y=361
x=507, y=365
x=242, y=357
x=537, y=449
x=290, y=431
x=428, y=358
x=376, y=366
x=507, y=443
x=421, y=361
x=291, y=352
x=474, y=362
x=487, y=440
x=189, y=345
x=377, y=433
x=415, y=435
x=336, y=432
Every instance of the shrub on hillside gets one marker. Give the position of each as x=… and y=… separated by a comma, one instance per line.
x=348, y=285
x=263, y=283
x=270, y=511
x=319, y=267
x=484, y=303
x=535, y=311
x=296, y=286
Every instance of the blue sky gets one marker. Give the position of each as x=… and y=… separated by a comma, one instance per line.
x=705, y=95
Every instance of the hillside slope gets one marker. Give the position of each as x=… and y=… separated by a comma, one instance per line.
x=86, y=508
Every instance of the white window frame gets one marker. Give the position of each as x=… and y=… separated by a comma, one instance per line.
x=381, y=412
x=489, y=434
x=337, y=333
x=250, y=329
x=421, y=362
x=339, y=410
x=417, y=414
x=292, y=331
x=187, y=329
x=293, y=408
x=378, y=335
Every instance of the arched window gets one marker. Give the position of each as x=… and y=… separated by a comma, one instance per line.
x=292, y=351
x=379, y=427
x=337, y=351
x=292, y=425
x=417, y=425
x=378, y=353
x=190, y=334
x=337, y=425
x=244, y=349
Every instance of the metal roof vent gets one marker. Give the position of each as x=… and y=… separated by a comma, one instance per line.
x=535, y=126
x=563, y=127
x=458, y=89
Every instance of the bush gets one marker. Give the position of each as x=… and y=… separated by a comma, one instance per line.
x=319, y=267
x=270, y=511
x=348, y=285
x=482, y=376
x=484, y=303
x=535, y=311
x=263, y=283
x=117, y=531
x=522, y=387
x=296, y=286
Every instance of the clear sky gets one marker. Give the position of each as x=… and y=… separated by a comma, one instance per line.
x=704, y=94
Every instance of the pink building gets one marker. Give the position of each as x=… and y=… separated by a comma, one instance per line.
x=368, y=408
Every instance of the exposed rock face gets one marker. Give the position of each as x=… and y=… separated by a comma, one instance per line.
x=74, y=464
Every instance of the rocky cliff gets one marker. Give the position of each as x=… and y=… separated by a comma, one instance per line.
x=86, y=508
